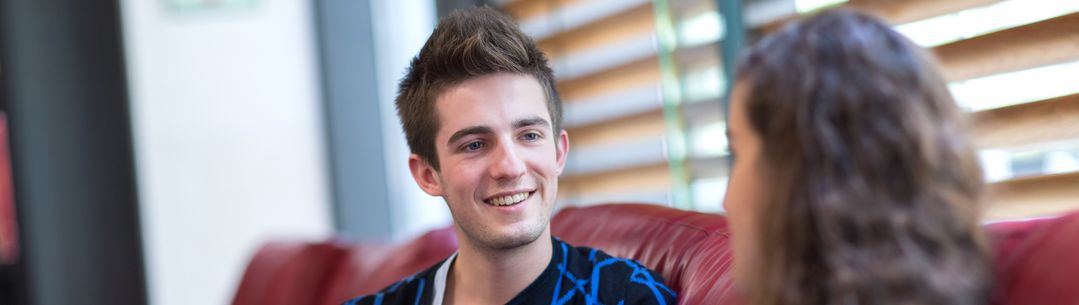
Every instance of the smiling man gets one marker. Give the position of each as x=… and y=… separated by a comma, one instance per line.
x=483, y=121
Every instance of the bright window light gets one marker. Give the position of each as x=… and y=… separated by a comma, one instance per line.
x=1061, y=162
x=803, y=6
x=1019, y=87
x=708, y=194
x=982, y=20
x=1053, y=158
x=709, y=140
x=703, y=28
x=704, y=84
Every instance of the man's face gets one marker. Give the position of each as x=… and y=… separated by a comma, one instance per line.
x=500, y=160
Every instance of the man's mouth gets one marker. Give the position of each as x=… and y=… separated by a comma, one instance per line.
x=509, y=200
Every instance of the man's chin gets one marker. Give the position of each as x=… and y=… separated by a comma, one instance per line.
x=509, y=240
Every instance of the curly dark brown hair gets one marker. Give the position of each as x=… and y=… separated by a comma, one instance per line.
x=877, y=187
x=466, y=44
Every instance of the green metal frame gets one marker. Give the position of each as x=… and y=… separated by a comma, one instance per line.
x=731, y=45
x=667, y=43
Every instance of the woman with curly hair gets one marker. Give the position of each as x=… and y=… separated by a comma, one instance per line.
x=853, y=181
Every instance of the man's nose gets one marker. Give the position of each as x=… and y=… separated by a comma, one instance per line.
x=507, y=164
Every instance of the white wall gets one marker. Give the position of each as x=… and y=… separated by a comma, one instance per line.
x=396, y=43
x=228, y=140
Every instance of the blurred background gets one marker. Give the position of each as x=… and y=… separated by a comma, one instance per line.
x=151, y=146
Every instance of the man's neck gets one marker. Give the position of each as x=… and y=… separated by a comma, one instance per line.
x=484, y=276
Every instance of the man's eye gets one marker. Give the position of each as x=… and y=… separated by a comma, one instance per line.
x=531, y=136
x=473, y=146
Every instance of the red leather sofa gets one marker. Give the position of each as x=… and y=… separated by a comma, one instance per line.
x=1037, y=260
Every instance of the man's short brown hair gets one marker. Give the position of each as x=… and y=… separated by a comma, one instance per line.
x=467, y=44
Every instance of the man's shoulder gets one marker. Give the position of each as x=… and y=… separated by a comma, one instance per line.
x=628, y=279
x=410, y=290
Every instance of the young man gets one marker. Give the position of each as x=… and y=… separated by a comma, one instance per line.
x=482, y=118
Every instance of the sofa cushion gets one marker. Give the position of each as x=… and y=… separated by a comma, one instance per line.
x=1006, y=236
x=689, y=249
x=1043, y=268
x=287, y=272
x=366, y=269
x=1035, y=259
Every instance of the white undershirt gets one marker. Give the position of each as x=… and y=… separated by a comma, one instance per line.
x=439, y=287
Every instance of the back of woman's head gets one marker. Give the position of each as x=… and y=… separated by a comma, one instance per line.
x=876, y=185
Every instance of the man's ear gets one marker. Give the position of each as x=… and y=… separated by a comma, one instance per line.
x=426, y=176
x=561, y=150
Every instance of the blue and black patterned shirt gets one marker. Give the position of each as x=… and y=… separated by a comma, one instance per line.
x=575, y=275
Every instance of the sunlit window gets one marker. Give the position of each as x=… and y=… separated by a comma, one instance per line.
x=977, y=21
x=803, y=6
x=1019, y=87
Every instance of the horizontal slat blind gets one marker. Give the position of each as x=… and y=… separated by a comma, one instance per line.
x=610, y=78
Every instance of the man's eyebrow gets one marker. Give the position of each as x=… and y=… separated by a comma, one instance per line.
x=532, y=121
x=468, y=131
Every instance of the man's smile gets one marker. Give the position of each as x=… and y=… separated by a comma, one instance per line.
x=509, y=198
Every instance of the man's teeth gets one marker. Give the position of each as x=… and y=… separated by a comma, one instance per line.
x=509, y=200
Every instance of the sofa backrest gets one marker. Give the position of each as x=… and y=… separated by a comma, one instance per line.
x=367, y=269
x=1037, y=261
x=688, y=249
x=1043, y=268
x=288, y=272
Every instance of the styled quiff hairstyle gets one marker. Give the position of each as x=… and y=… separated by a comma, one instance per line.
x=467, y=44
x=875, y=184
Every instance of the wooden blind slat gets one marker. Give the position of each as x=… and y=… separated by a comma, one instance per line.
x=899, y=12
x=1033, y=196
x=648, y=124
x=1045, y=121
x=528, y=9
x=634, y=74
x=895, y=11
x=1047, y=42
x=604, y=31
x=630, y=180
